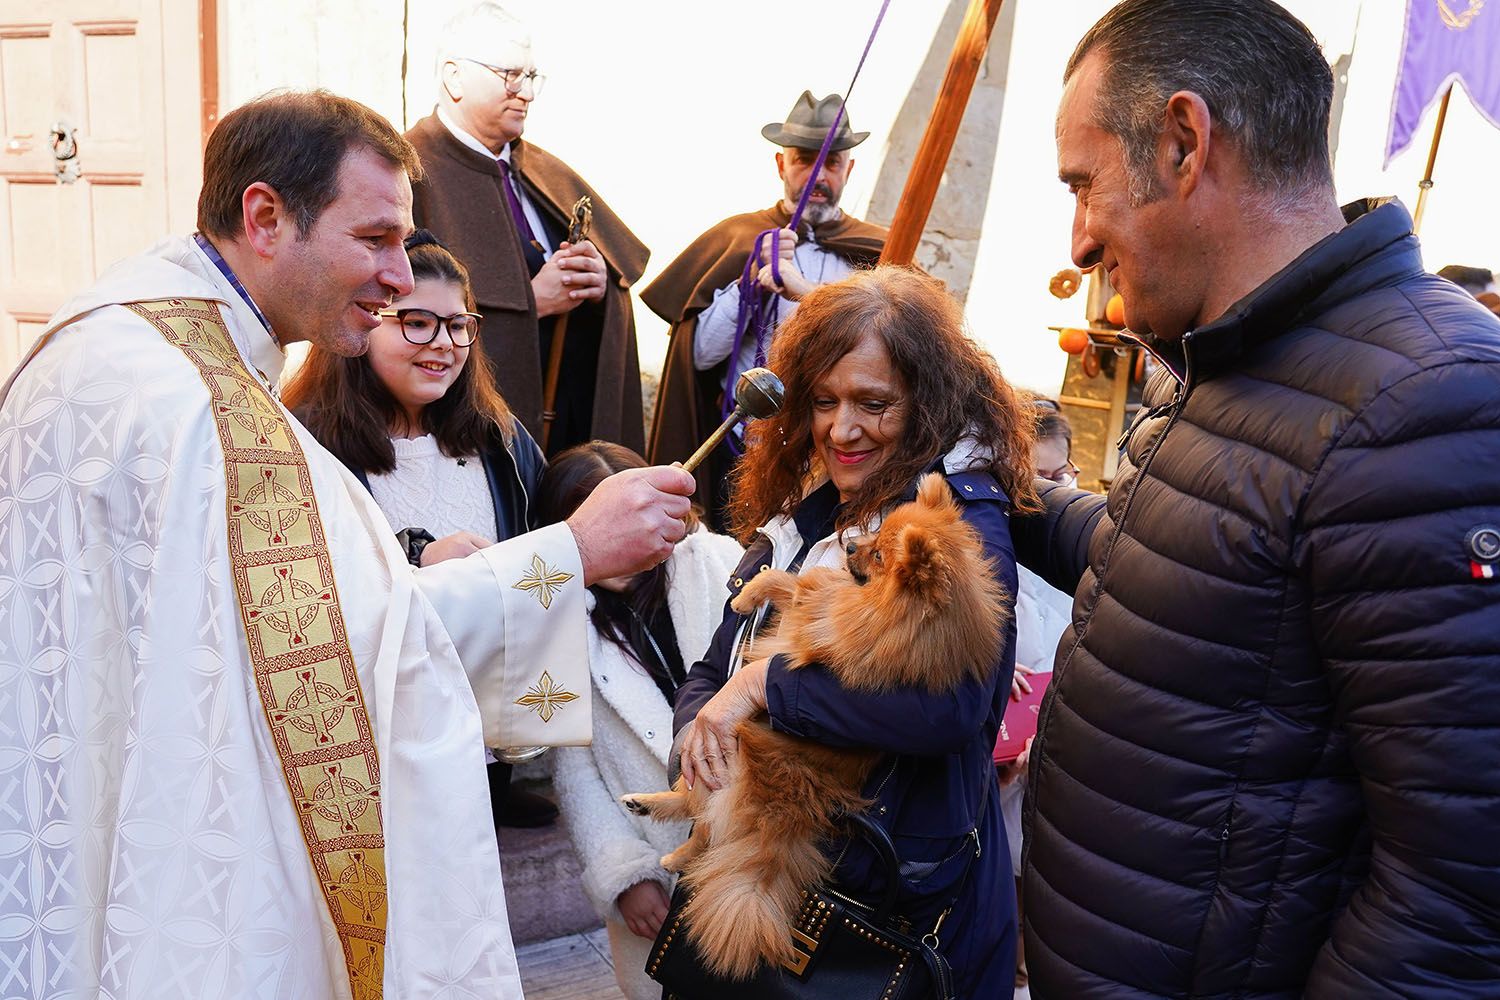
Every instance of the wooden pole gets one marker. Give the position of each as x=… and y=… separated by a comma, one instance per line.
x=554, y=369
x=942, y=128
x=1425, y=185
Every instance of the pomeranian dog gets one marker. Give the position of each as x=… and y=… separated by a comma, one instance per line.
x=918, y=607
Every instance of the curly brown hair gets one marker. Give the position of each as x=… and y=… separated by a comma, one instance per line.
x=954, y=391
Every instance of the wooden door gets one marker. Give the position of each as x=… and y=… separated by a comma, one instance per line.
x=125, y=75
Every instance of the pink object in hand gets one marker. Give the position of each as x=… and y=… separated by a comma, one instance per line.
x=1020, y=720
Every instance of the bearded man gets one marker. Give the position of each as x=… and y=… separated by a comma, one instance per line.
x=699, y=292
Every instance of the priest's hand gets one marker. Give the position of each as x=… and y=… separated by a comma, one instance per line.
x=572, y=276
x=793, y=285
x=631, y=521
x=454, y=546
x=709, y=743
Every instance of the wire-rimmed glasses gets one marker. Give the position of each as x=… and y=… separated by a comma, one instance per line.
x=516, y=80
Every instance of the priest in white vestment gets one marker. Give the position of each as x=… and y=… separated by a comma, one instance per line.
x=149, y=847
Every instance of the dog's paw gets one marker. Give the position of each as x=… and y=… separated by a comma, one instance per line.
x=635, y=806
x=744, y=602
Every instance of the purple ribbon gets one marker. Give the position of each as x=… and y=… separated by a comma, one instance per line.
x=528, y=236
x=758, y=306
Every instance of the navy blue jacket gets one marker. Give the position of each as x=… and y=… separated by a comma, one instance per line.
x=928, y=792
x=1269, y=758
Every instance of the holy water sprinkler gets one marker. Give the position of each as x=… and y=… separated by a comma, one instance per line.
x=757, y=394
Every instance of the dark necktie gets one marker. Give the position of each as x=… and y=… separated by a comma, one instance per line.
x=529, y=245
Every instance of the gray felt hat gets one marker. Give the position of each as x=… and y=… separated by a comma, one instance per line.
x=807, y=125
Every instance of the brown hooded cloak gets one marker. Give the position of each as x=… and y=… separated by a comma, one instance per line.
x=688, y=402
x=461, y=201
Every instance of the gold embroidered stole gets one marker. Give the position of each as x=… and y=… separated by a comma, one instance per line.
x=299, y=649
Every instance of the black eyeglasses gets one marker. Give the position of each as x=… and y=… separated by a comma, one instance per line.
x=516, y=80
x=420, y=326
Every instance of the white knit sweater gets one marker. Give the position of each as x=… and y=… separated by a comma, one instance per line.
x=430, y=490
x=632, y=737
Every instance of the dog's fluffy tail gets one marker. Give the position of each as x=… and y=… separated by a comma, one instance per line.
x=745, y=897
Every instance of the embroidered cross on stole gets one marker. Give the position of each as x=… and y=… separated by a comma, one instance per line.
x=299, y=649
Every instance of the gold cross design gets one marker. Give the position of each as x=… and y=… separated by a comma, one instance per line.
x=543, y=580
x=341, y=798
x=250, y=410
x=545, y=697
x=289, y=605
x=271, y=507
x=361, y=885
x=367, y=973
x=314, y=707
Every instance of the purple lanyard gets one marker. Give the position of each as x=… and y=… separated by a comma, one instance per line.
x=758, y=306
x=224, y=269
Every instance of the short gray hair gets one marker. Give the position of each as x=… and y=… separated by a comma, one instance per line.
x=1258, y=68
x=464, y=31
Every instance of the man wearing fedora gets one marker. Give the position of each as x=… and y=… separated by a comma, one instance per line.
x=698, y=293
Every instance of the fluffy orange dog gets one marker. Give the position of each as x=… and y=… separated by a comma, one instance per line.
x=919, y=607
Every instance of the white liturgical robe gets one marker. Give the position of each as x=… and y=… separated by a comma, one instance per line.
x=149, y=847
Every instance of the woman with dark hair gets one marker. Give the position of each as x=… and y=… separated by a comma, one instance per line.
x=882, y=386
x=644, y=630
x=418, y=420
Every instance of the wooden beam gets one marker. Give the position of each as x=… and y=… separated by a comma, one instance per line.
x=208, y=64
x=942, y=128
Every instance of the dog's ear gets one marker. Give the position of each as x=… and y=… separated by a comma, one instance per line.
x=921, y=564
x=933, y=491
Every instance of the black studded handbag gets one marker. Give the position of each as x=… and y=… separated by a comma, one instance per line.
x=845, y=949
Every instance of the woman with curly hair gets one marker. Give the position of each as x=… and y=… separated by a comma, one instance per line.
x=882, y=386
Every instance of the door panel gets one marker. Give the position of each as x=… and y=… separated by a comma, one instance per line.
x=97, y=65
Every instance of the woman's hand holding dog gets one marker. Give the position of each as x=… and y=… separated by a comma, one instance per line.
x=710, y=740
x=644, y=907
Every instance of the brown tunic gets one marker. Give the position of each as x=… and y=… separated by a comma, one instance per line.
x=461, y=201
x=688, y=402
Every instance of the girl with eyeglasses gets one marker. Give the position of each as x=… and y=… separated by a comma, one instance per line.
x=417, y=418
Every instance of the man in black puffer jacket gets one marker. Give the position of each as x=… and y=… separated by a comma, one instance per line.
x=1269, y=761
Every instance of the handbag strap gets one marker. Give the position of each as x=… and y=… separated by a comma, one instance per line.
x=880, y=841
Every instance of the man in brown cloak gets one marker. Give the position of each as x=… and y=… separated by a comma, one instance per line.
x=698, y=292
x=503, y=206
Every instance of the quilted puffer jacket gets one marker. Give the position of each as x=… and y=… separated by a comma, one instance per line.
x=1269, y=761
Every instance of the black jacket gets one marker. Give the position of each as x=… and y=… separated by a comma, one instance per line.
x=1284, y=651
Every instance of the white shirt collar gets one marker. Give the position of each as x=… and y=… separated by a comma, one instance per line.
x=468, y=140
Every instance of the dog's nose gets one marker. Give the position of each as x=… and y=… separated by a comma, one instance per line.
x=849, y=549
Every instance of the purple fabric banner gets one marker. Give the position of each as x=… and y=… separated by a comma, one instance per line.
x=1446, y=41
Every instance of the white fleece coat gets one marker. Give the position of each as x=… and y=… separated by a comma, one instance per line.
x=632, y=738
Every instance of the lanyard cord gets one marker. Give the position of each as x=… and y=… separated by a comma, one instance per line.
x=212, y=253
x=758, y=306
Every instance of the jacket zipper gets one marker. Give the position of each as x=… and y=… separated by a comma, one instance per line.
x=1174, y=408
x=515, y=471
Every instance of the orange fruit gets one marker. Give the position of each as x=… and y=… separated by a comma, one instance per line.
x=1072, y=340
x=1114, y=310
